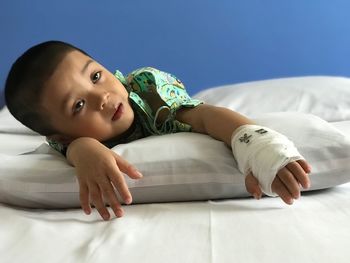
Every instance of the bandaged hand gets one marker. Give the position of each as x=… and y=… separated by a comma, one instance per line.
x=270, y=161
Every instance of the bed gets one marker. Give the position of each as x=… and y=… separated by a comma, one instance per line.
x=234, y=228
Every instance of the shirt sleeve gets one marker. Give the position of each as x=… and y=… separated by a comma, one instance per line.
x=170, y=90
x=57, y=146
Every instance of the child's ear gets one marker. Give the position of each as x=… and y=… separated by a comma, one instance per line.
x=61, y=138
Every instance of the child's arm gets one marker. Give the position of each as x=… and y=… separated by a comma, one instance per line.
x=220, y=123
x=99, y=171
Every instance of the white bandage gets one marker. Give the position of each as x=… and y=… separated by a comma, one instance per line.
x=263, y=152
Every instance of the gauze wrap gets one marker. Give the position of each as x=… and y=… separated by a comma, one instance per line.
x=263, y=152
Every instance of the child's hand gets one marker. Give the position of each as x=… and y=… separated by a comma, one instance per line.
x=99, y=172
x=286, y=183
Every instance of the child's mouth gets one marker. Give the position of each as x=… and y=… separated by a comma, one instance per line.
x=118, y=113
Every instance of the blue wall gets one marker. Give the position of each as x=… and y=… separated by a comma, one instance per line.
x=204, y=42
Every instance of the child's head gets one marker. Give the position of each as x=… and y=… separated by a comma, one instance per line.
x=58, y=90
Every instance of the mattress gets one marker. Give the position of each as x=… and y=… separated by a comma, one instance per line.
x=314, y=229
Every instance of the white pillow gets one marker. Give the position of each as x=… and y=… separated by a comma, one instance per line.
x=9, y=124
x=176, y=167
x=323, y=96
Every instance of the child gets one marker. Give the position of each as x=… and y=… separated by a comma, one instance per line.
x=62, y=93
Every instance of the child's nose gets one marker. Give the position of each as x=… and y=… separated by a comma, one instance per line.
x=101, y=99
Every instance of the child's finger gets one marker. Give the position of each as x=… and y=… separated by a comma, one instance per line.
x=96, y=199
x=305, y=165
x=84, y=198
x=109, y=193
x=119, y=183
x=289, y=181
x=127, y=168
x=299, y=173
x=252, y=186
x=279, y=188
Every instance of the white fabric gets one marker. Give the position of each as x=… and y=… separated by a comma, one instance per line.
x=324, y=96
x=9, y=124
x=176, y=167
x=263, y=152
x=315, y=229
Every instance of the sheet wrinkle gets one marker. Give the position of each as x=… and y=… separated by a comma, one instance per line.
x=236, y=205
x=60, y=220
x=88, y=250
x=210, y=232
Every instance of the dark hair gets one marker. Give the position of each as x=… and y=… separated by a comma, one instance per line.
x=25, y=83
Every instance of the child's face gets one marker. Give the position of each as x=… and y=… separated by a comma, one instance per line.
x=83, y=99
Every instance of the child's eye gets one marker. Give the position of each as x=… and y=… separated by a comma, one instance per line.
x=95, y=77
x=78, y=106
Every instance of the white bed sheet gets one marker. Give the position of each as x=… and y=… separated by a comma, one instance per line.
x=314, y=229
